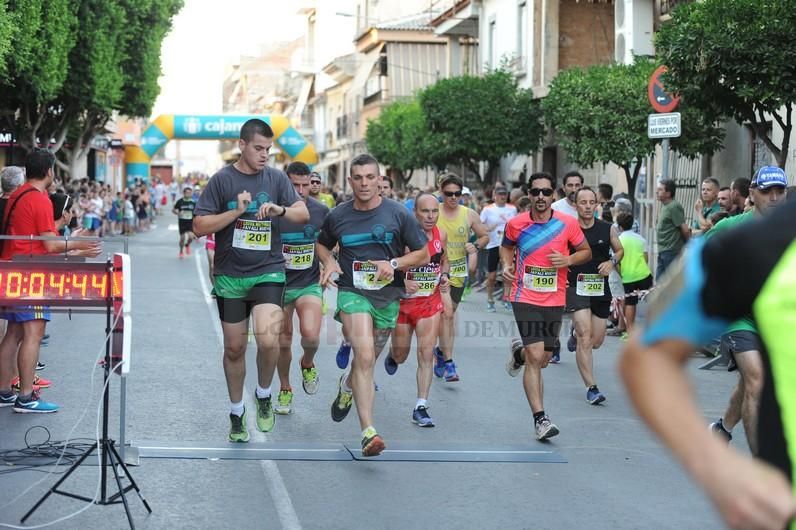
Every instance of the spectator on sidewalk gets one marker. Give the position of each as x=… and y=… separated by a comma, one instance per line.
x=672, y=231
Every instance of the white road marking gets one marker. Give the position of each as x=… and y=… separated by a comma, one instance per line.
x=273, y=478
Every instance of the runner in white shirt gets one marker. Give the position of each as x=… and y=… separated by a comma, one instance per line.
x=495, y=217
x=573, y=181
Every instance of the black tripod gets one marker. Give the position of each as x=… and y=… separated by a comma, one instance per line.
x=109, y=454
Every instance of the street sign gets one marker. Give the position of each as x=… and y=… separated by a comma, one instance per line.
x=664, y=125
x=660, y=99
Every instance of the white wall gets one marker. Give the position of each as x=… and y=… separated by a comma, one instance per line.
x=505, y=14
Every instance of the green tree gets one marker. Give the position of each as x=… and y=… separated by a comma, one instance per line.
x=44, y=33
x=599, y=115
x=6, y=34
x=481, y=118
x=731, y=59
x=399, y=138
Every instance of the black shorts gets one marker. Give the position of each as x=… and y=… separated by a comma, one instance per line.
x=736, y=342
x=640, y=285
x=234, y=310
x=538, y=324
x=492, y=259
x=185, y=227
x=599, y=305
x=456, y=294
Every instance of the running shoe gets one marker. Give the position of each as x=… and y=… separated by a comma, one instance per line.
x=467, y=290
x=284, y=402
x=717, y=427
x=343, y=353
x=556, y=357
x=390, y=366
x=421, y=418
x=372, y=445
x=181, y=255
x=623, y=336
x=450, y=374
x=7, y=400
x=238, y=432
x=188, y=250
x=572, y=341
x=38, y=382
x=34, y=405
x=514, y=363
x=46, y=336
x=594, y=396
x=265, y=413
x=309, y=379
x=40, y=365
x=490, y=307
x=439, y=362
x=545, y=428
x=507, y=306
x=342, y=403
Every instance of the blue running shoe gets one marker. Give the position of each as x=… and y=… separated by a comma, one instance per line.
x=390, y=366
x=572, y=342
x=343, y=353
x=594, y=396
x=35, y=405
x=421, y=418
x=556, y=357
x=450, y=372
x=439, y=362
x=8, y=400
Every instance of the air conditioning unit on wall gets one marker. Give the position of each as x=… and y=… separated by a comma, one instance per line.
x=633, y=20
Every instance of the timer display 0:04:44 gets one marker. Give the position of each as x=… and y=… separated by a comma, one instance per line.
x=53, y=285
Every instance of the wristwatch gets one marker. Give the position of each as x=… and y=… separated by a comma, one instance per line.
x=284, y=211
x=614, y=260
x=394, y=263
x=446, y=274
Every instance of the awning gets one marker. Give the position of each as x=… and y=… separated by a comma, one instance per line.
x=325, y=164
x=303, y=97
x=518, y=166
x=366, y=64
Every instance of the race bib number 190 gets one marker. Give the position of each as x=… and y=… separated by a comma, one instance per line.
x=252, y=235
x=365, y=273
x=540, y=279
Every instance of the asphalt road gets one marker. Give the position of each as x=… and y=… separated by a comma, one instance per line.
x=616, y=475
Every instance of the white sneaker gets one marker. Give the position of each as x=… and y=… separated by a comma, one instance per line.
x=511, y=365
x=545, y=429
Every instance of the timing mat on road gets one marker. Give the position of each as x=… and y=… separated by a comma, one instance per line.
x=395, y=452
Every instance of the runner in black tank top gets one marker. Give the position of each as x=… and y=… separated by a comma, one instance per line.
x=588, y=294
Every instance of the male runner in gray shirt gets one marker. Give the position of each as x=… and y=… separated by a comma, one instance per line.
x=239, y=205
x=373, y=234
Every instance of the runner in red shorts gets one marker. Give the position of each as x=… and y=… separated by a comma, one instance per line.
x=428, y=294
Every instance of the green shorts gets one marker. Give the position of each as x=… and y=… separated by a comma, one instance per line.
x=231, y=287
x=291, y=295
x=349, y=303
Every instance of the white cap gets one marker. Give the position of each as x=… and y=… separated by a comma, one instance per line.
x=466, y=191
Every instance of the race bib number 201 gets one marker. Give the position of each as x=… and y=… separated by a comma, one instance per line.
x=252, y=235
x=540, y=279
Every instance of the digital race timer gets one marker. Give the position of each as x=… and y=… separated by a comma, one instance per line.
x=58, y=283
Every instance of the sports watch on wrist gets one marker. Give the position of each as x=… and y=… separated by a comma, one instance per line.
x=394, y=263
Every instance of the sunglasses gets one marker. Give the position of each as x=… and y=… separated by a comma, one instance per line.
x=547, y=192
x=452, y=193
x=315, y=182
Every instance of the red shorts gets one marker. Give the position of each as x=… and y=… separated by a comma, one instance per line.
x=413, y=310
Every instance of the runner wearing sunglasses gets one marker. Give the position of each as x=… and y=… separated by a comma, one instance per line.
x=456, y=221
x=536, y=256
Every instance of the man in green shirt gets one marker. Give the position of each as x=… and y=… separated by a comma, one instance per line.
x=707, y=205
x=741, y=341
x=672, y=231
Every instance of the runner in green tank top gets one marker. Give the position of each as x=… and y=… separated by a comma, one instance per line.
x=456, y=221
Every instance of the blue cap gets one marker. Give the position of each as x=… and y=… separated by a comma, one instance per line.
x=768, y=176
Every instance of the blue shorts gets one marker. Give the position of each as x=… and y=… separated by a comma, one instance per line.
x=91, y=223
x=27, y=313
